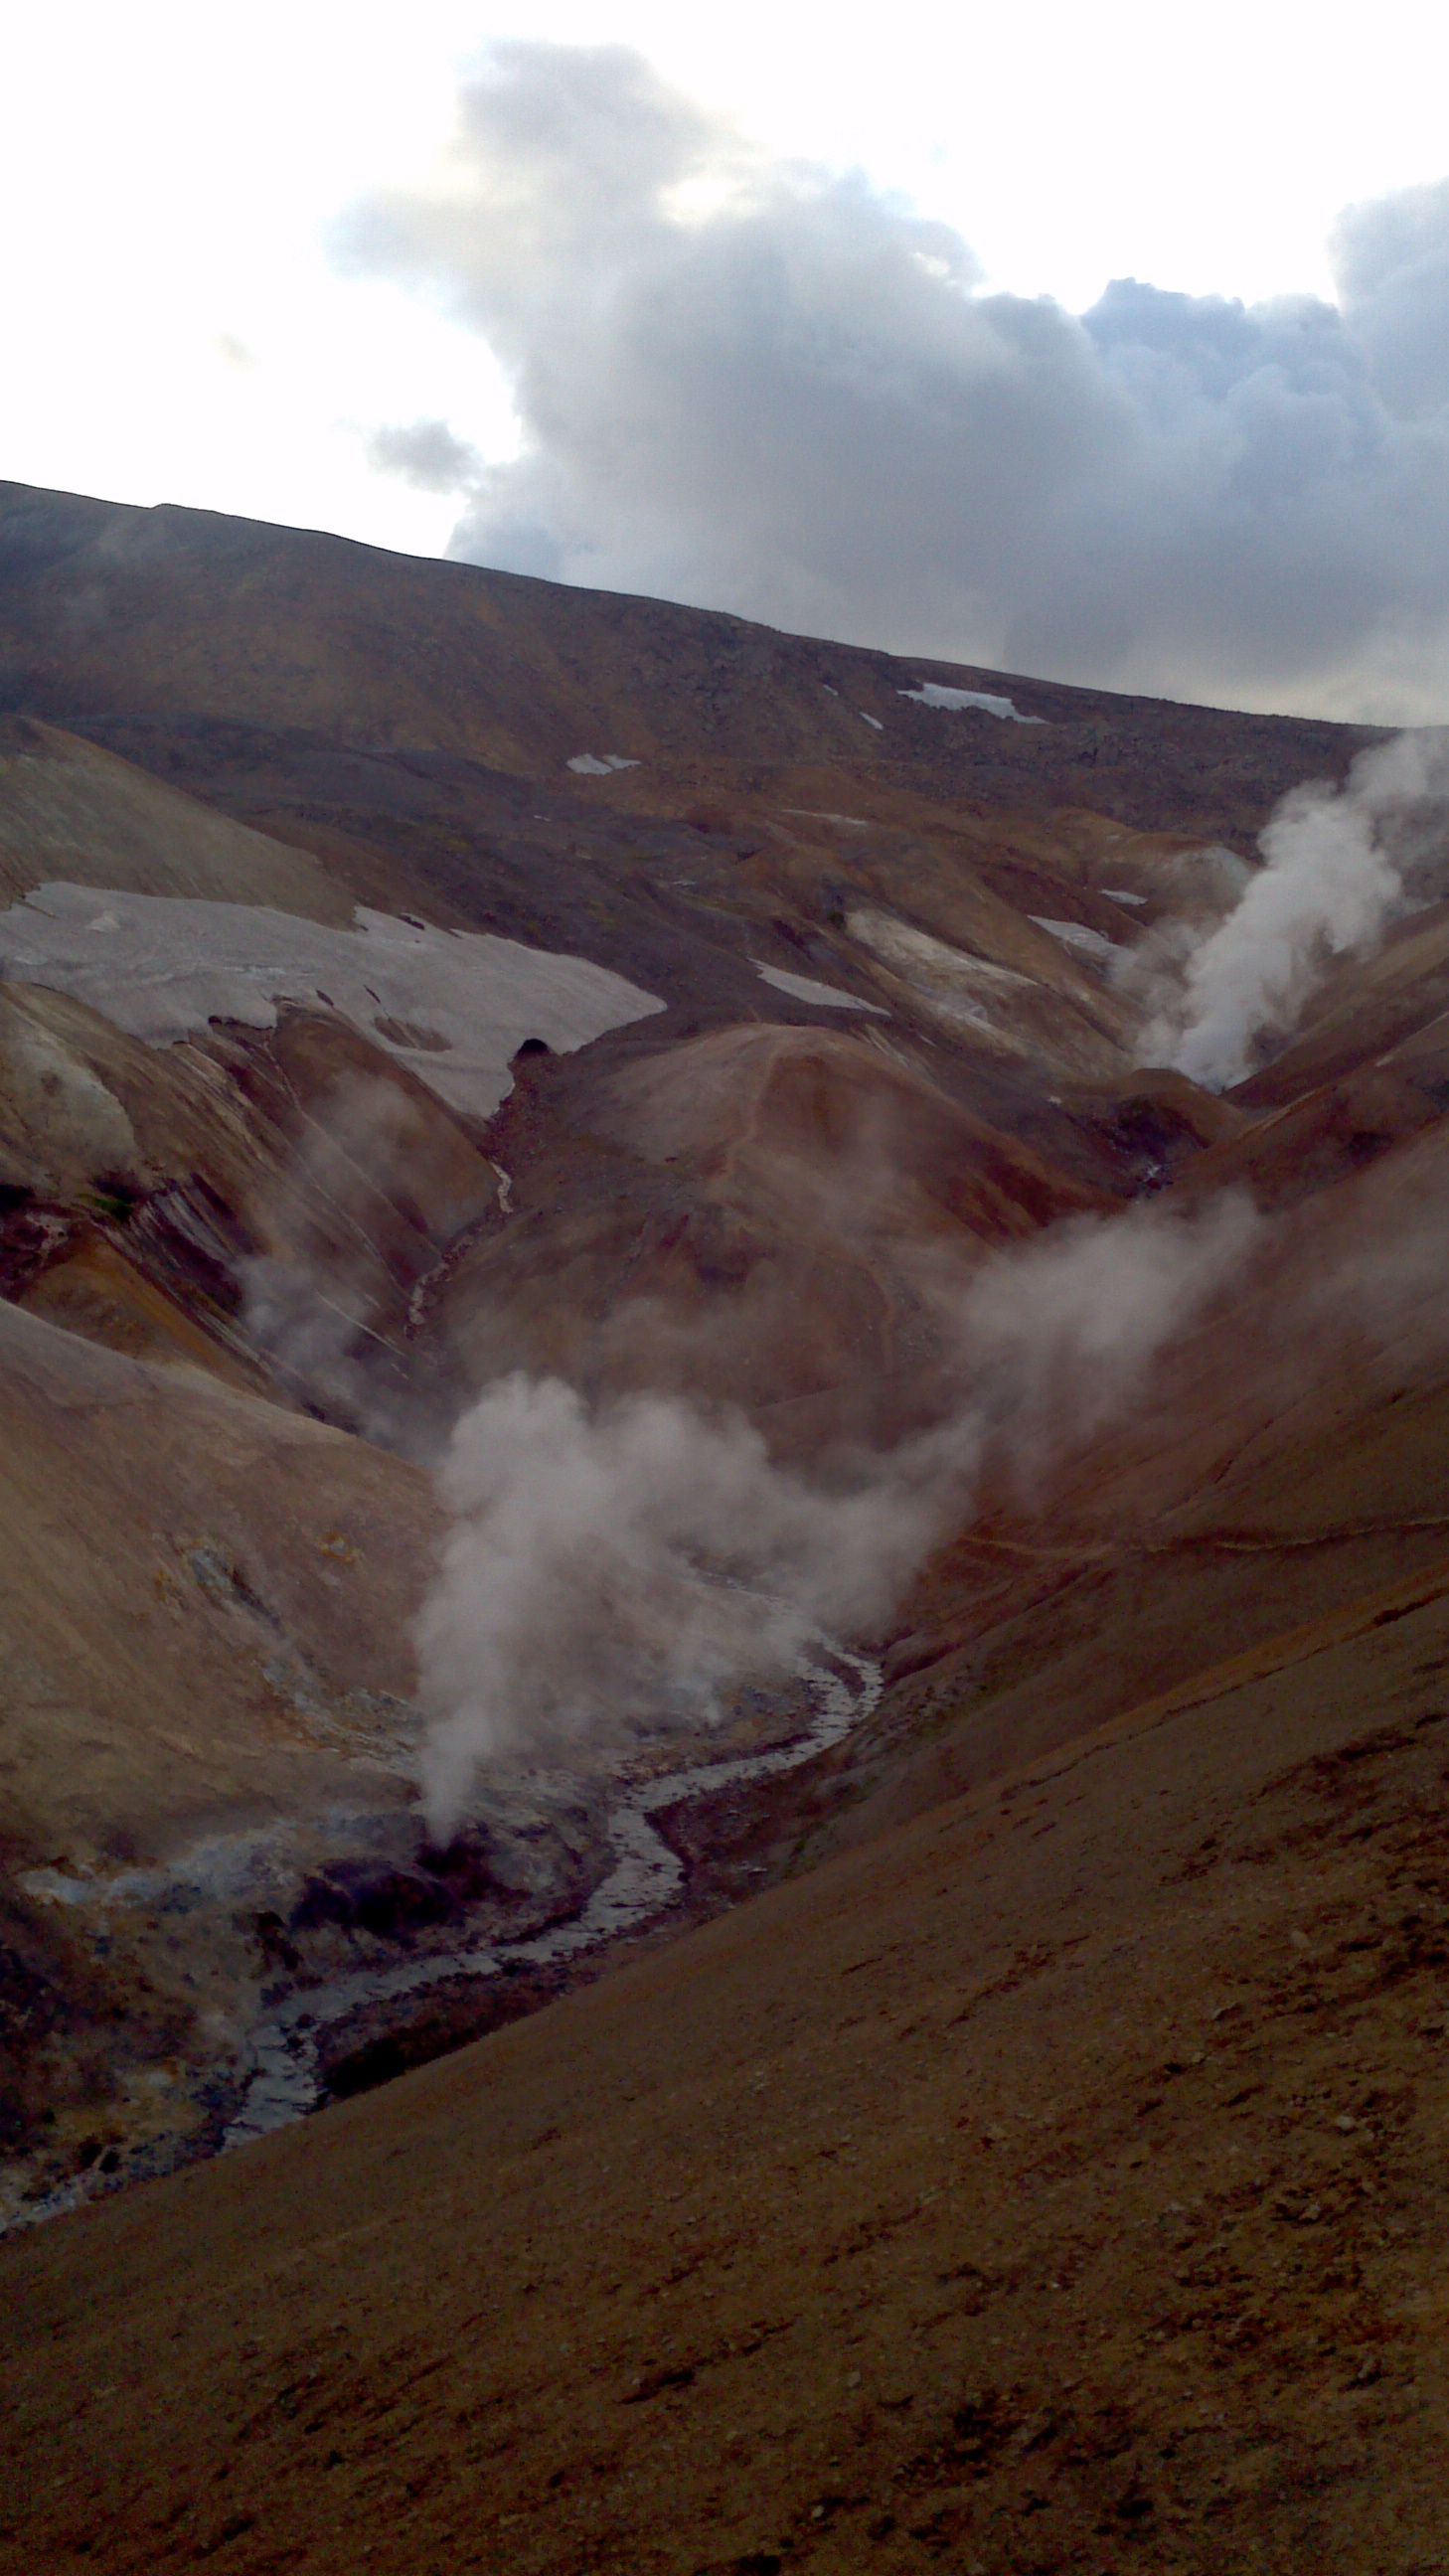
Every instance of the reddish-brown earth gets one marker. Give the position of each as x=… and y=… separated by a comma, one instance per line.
x=1021, y=2147
x=1056, y=2182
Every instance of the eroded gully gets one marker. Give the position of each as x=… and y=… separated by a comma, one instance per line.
x=286, y=2082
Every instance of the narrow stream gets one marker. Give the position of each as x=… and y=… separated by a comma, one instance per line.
x=646, y=1875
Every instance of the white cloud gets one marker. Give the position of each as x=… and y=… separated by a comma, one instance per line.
x=762, y=385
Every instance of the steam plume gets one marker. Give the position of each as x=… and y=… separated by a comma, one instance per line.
x=616, y=1570
x=1064, y=1328
x=624, y=1567
x=1333, y=878
x=348, y=1236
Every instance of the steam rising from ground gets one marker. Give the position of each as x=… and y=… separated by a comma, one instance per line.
x=344, y=1227
x=1063, y=1330
x=615, y=1569
x=614, y=1565
x=1335, y=875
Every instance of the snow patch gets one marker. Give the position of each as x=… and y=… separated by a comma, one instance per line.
x=1076, y=934
x=931, y=694
x=590, y=764
x=803, y=988
x=454, y=1006
x=870, y=720
x=1119, y=894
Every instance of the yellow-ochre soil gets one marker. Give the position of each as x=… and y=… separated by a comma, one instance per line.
x=1056, y=2182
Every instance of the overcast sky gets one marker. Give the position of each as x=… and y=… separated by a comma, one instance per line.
x=815, y=318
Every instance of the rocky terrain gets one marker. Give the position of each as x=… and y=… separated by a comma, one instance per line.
x=1009, y=2136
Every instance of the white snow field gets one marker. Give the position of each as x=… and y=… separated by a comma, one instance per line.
x=454, y=1006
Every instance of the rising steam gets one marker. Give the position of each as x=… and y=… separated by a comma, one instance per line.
x=1063, y=1329
x=616, y=1569
x=1334, y=876
x=313, y=1300
x=622, y=1567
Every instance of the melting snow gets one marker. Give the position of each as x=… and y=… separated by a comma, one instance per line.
x=913, y=951
x=590, y=765
x=805, y=989
x=947, y=979
x=454, y=1006
x=1076, y=934
x=931, y=694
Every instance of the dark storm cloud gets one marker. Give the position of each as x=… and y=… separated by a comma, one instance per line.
x=762, y=385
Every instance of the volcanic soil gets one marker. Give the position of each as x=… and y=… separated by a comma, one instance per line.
x=1020, y=2148
x=1055, y=2181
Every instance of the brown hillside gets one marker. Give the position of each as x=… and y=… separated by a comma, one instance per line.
x=997, y=2126
x=1056, y=2181
x=180, y=618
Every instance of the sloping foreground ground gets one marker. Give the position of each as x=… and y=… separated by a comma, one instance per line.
x=1058, y=2182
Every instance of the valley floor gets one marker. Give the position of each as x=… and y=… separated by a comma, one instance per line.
x=1056, y=2182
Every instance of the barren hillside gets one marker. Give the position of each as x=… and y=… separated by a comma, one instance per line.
x=638, y=1405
